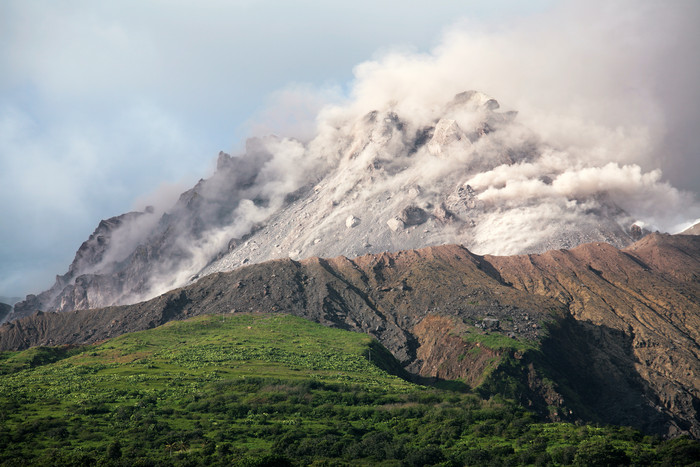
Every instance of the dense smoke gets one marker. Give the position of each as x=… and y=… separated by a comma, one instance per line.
x=594, y=118
x=591, y=110
x=592, y=84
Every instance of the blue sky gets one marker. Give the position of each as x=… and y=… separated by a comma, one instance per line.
x=108, y=106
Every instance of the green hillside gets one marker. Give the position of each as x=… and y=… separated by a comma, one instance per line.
x=272, y=390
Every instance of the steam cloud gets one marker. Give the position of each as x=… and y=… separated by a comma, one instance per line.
x=595, y=121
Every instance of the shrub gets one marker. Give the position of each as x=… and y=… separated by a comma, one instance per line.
x=600, y=452
x=563, y=455
x=680, y=451
x=429, y=455
x=114, y=450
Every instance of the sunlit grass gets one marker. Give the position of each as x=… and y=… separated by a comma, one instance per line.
x=236, y=388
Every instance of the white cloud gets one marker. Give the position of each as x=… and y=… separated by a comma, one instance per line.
x=100, y=102
x=57, y=182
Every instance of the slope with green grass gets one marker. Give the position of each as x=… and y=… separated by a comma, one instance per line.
x=269, y=389
x=615, y=332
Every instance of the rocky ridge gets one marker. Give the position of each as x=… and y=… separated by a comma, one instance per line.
x=694, y=230
x=612, y=334
x=381, y=182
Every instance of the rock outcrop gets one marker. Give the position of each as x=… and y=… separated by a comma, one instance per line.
x=412, y=215
x=93, y=255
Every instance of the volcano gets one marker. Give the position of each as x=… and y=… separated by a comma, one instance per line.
x=465, y=173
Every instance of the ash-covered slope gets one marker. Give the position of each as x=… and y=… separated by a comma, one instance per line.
x=462, y=172
x=694, y=230
x=615, y=332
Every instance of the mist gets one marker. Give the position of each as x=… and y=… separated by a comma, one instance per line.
x=597, y=84
x=600, y=133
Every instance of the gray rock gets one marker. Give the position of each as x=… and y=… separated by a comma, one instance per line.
x=352, y=221
x=443, y=214
x=491, y=323
x=447, y=132
x=395, y=224
x=412, y=215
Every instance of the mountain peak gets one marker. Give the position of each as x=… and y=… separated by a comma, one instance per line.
x=370, y=182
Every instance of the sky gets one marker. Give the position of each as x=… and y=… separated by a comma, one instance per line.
x=106, y=107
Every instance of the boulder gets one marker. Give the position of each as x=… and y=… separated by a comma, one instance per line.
x=352, y=221
x=443, y=214
x=395, y=224
x=446, y=132
x=412, y=215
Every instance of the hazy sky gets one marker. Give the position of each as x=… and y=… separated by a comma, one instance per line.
x=107, y=106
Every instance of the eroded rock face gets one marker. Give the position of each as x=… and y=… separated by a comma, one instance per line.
x=95, y=254
x=141, y=254
x=623, y=300
x=442, y=214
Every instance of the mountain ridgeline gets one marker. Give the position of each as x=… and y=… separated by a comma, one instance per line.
x=593, y=333
x=369, y=182
x=482, y=256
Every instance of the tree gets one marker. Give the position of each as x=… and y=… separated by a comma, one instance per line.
x=114, y=450
x=600, y=452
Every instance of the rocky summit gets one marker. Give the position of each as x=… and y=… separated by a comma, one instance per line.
x=593, y=333
x=370, y=182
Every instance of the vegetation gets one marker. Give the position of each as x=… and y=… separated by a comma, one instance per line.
x=274, y=390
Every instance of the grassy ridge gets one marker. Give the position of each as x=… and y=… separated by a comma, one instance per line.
x=270, y=389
